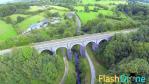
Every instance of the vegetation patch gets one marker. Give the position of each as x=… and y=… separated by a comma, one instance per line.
x=104, y=2
x=87, y=16
x=71, y=77
x=27, y=22
x=34, y=8
x=27, y=66
x=105, y=12
x=59, y=8
x=6, y=30
x=14, y=16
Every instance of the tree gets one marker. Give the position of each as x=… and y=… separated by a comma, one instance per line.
x=67, y=33
x=8, y=20
x=86, y=8
x=55, y=14
x=19, y=19
x=11, y=8
x=142, y=35
x=135, y=66
x=26, y=66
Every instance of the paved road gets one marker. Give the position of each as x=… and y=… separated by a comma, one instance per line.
x=92, y=69
x=78, y=23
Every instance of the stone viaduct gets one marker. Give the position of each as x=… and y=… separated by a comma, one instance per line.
x=83, y=41
x=68, y=43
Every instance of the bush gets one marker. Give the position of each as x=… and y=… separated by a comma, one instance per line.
x=19, y=19
x=102, y=6
x=55, y=14
x=86, y=8
x=8, y=20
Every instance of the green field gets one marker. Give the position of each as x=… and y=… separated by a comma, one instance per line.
x=27, y=22
x=106, y=12
x=84, y=16
x=6, y=30
x=14, y=16
x=108, y=2
x=104, y=2
x=37, y=8
x=59, y=11
x=88, y=1
x=34, y=8
x=81, y=8
x=59, y=8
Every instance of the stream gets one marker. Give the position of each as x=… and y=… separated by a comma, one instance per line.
x=78, y=81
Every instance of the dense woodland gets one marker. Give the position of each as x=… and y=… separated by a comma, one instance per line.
x=26, y=66
x=12, y=8
x=126, y=53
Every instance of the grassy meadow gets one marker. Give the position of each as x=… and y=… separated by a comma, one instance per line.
x=106, y=9
x=6, y=30
x=31, y=20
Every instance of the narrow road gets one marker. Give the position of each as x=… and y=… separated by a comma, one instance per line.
x=66, y=70
x=92, y=69
x=66, y=67
x=78, y=23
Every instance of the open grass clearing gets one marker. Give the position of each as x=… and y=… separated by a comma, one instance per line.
x=59, y=11
x=60, y=8
x=86, y=16
x=106, y=12
x=35, y=8
x=29, y=21
x=81, y=8
x=14, y=16
x=104, y=2
x=6, y=30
